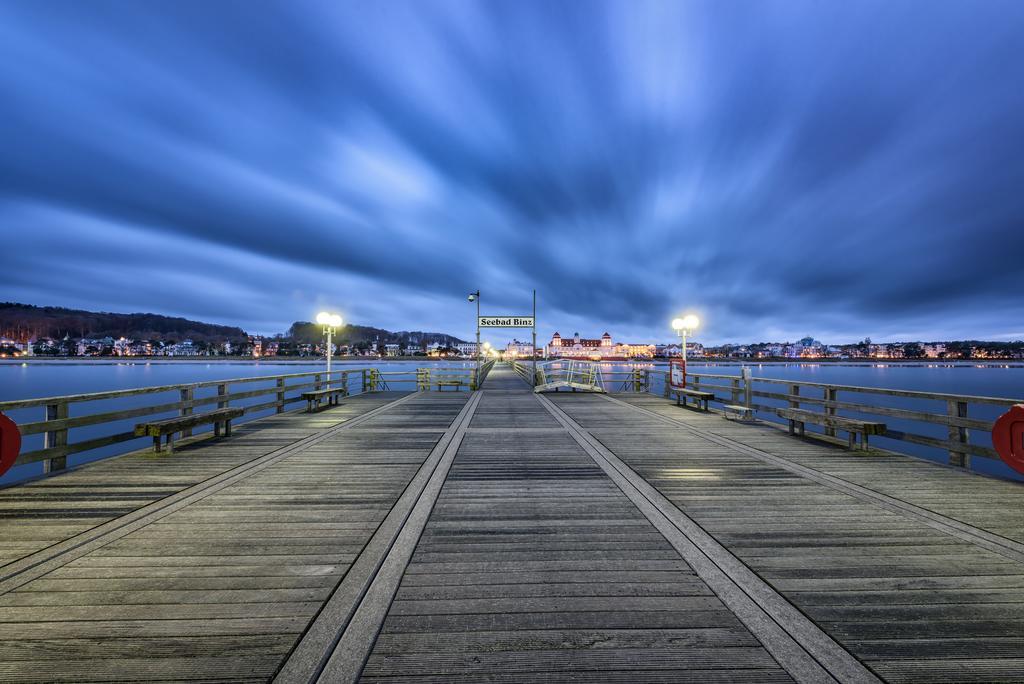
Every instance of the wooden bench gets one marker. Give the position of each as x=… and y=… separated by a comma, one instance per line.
x=743, y=413
x=456, y=381
x=158, y=428
x=702, y=398
x=332, y=394
x=851, y=426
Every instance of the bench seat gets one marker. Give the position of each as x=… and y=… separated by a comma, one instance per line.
x=457, y=383
x=701, y=398
x=745, y=413
x=851, y=426
x=169, y=426
x=331, y=394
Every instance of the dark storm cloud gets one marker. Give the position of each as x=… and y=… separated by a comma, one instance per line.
x=838, y=169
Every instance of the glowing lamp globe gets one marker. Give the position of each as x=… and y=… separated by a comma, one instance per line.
x=328, y=319
x=690, y=322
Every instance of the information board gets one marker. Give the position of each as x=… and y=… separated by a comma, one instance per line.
x=677, y=373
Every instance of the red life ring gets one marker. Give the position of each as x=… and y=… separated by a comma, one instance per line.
x=10, y=443
x=1008, y=437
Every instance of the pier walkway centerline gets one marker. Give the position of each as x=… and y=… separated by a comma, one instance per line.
x=505, y=536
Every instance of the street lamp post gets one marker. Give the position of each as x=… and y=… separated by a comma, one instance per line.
x=475, y=297
x=685, y=326
x=329, y=321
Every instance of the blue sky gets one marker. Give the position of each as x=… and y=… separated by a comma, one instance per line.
x=782, y=168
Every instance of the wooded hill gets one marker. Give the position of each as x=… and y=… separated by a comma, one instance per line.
x=24, y=321
x=21, y=321
x=304, y=332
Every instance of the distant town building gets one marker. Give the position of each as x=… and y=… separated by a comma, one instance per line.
x=516, y=348
x=123, y=347
x=603, y=348
x=103, y=346
x=186, y=348
x=466, y=348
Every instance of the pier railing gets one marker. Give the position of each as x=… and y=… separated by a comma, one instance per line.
x=950, y=427
x=959, y=425
x=94, y=410
x=632, y=380
x=525, y=371
x=97, y=421
x=438, y=378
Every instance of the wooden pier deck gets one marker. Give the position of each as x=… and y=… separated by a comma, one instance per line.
x=503, y=536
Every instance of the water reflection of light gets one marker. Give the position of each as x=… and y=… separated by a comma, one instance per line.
x=690, y=474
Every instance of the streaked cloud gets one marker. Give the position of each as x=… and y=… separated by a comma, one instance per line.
x=834, y=169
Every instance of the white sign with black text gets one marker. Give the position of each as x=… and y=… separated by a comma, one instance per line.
x=506, y=321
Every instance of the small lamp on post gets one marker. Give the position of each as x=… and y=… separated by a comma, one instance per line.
x=329, y=321
x=475, y=297
x=685, y=326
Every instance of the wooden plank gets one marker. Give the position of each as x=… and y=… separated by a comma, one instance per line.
x=535, y=562
x=310, y=656
x=794, y=641
x=35, y=565
x=889, y=592
x=267, y=551
x=523, y=568
x=345, y=654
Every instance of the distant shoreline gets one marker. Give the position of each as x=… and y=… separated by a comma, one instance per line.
x=270, y=360
x=370, y=361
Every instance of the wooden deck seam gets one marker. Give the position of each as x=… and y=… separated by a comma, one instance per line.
x=45, y=560
x=803, y=649
x=351, y=618
x=964, y=531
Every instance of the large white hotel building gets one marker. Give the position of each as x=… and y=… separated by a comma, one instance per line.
x=603, y=349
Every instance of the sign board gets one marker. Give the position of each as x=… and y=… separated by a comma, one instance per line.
x=505, y=321
x=677, y=374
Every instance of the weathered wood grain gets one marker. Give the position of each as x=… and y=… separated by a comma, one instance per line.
x=526, y=561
